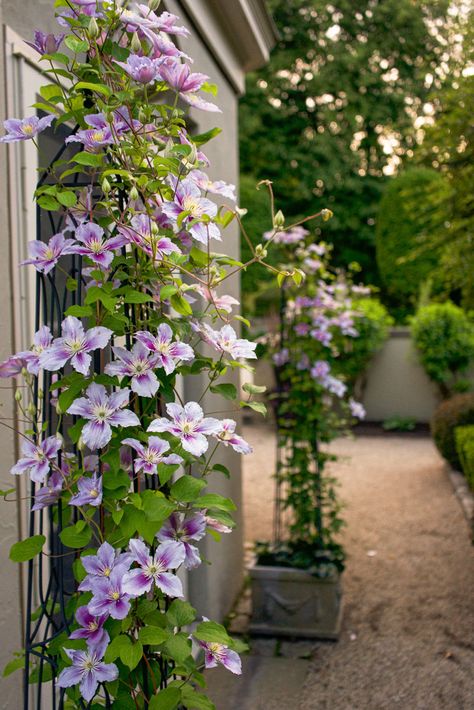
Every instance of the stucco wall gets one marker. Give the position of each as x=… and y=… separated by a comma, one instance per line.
x=396, y=384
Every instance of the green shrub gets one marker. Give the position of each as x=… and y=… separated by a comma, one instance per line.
x=444, y=338
x=404, y=261
x=454, y=412
x=464, y=438
x=372, y=325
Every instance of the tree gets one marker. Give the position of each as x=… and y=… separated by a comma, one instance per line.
x=336, y=103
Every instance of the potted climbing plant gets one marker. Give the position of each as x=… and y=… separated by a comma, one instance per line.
x=296, y=587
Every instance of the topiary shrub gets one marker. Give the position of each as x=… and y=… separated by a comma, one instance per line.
x=464, y=438
x=454, y=412
x=444, y=337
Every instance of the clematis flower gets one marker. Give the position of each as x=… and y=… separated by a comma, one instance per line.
x=290, y=236
x=140, y=232
x=109, y=596
x=87, y=671
x=101, y=251
x=217, y=525
x=92, y=627
x=222, y=303
x=12, y=366
x=215, y=653
x=122, y=121
x=323, y=336
x=22, y=129
x=281, y=357
x=320, y=370
x=165, y=22
x=92, y=138
x=74, y=345
x=44, y=257
x=168, y=352
x=152, y=570
x=179, y=77
x=46, y=43
x=188, y=199
x=137, y=364
x=89, y=493
x=229, y=438
x=142, y=69
x=50, y=493
x=101, y=565
x=149, y=456
x=103, y=412
x=41, y=342
x=189, y=425
x=357, y=409
x=181, y=529
x=81, y=211
x=226, y=341
x=218, y=187
x=335, y=386
x=37, y=459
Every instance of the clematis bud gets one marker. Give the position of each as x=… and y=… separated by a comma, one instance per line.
x=80, y=444
x=31, y=409
x=18, y=396
x=93, y=29
x=260, y=251
x=154, y=228
x=106, y=186
x=326, y=214
x=133, y=194
x=279, y=219
x=135, y=45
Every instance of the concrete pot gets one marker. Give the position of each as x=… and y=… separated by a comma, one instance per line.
x=291, y=602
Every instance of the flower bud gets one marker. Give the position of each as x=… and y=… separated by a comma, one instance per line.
x=154, y=4
x=31, y=409
x=279, y=219
x=18, y=396
x=142, y=116
x=106, y=186
x=135, y=45
x=93, y=29
x=326, y=214
x=80, y=444
x=260, y=251
x=154, y=228
x=133, y=194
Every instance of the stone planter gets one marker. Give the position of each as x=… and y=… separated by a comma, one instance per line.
x=291, y=602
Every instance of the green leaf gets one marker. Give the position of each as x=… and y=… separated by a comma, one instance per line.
x=50, y=91
x=180, y=305
x=48, y=203
x=27, y=549
x=157, y=507
x=180, y=613
x=153, y=636
x=193, y=700
x=115, y=647
x=76, y=45
x=167, y=699
x=206, y=137
x=212, y=632
x=71, y=284
x=254, y=389
x=67, y=198
x=79, y=311
x=221, y=469
x=92, y=160
x=165, y=472
x=90, y=86
x=256, y=406
x=200, y=258
x=137, y=297
x=178, y=647
x=167, y=291
x=13, y=666
x=187, y=488
x=226, y=390
x=214, y=500
x=76, y=536
x=131, y=654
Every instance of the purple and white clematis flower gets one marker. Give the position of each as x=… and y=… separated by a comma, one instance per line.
x=188, y=199
x=226, y=341
x=357, y=409
x=168, y=352
x=92, y=627
x=103, y=412
x=44, y=257
x=228, y=437
x=320, y=370
x=46, y=43
x=140, y=232
x=137, y=364
x=218, y=187
x=92, y=138
x=22, y=129
x=50, y=493
x=37, y=459
x=189, y=425
x=217, y=525
x=12, y=366
x=75, y=344
x=89, y=491
x=101, y=251
x=109, y=595
x=142, y=69
x=215, y=653
x=152, y=454
x=152, y=570
x=100, y=566
x=165, y=22
x=41, y=342
x=181, y=529
x=87, y=671
x=179, y=77
x=222, y=303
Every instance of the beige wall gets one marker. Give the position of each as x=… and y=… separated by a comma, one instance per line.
x=397, y=384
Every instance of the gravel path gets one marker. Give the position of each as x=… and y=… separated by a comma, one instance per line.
x=407, y=640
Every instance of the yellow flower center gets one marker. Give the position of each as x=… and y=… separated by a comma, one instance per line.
x=28, y=130
x=107, y=572
x=115, y=596
x=94, y=493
